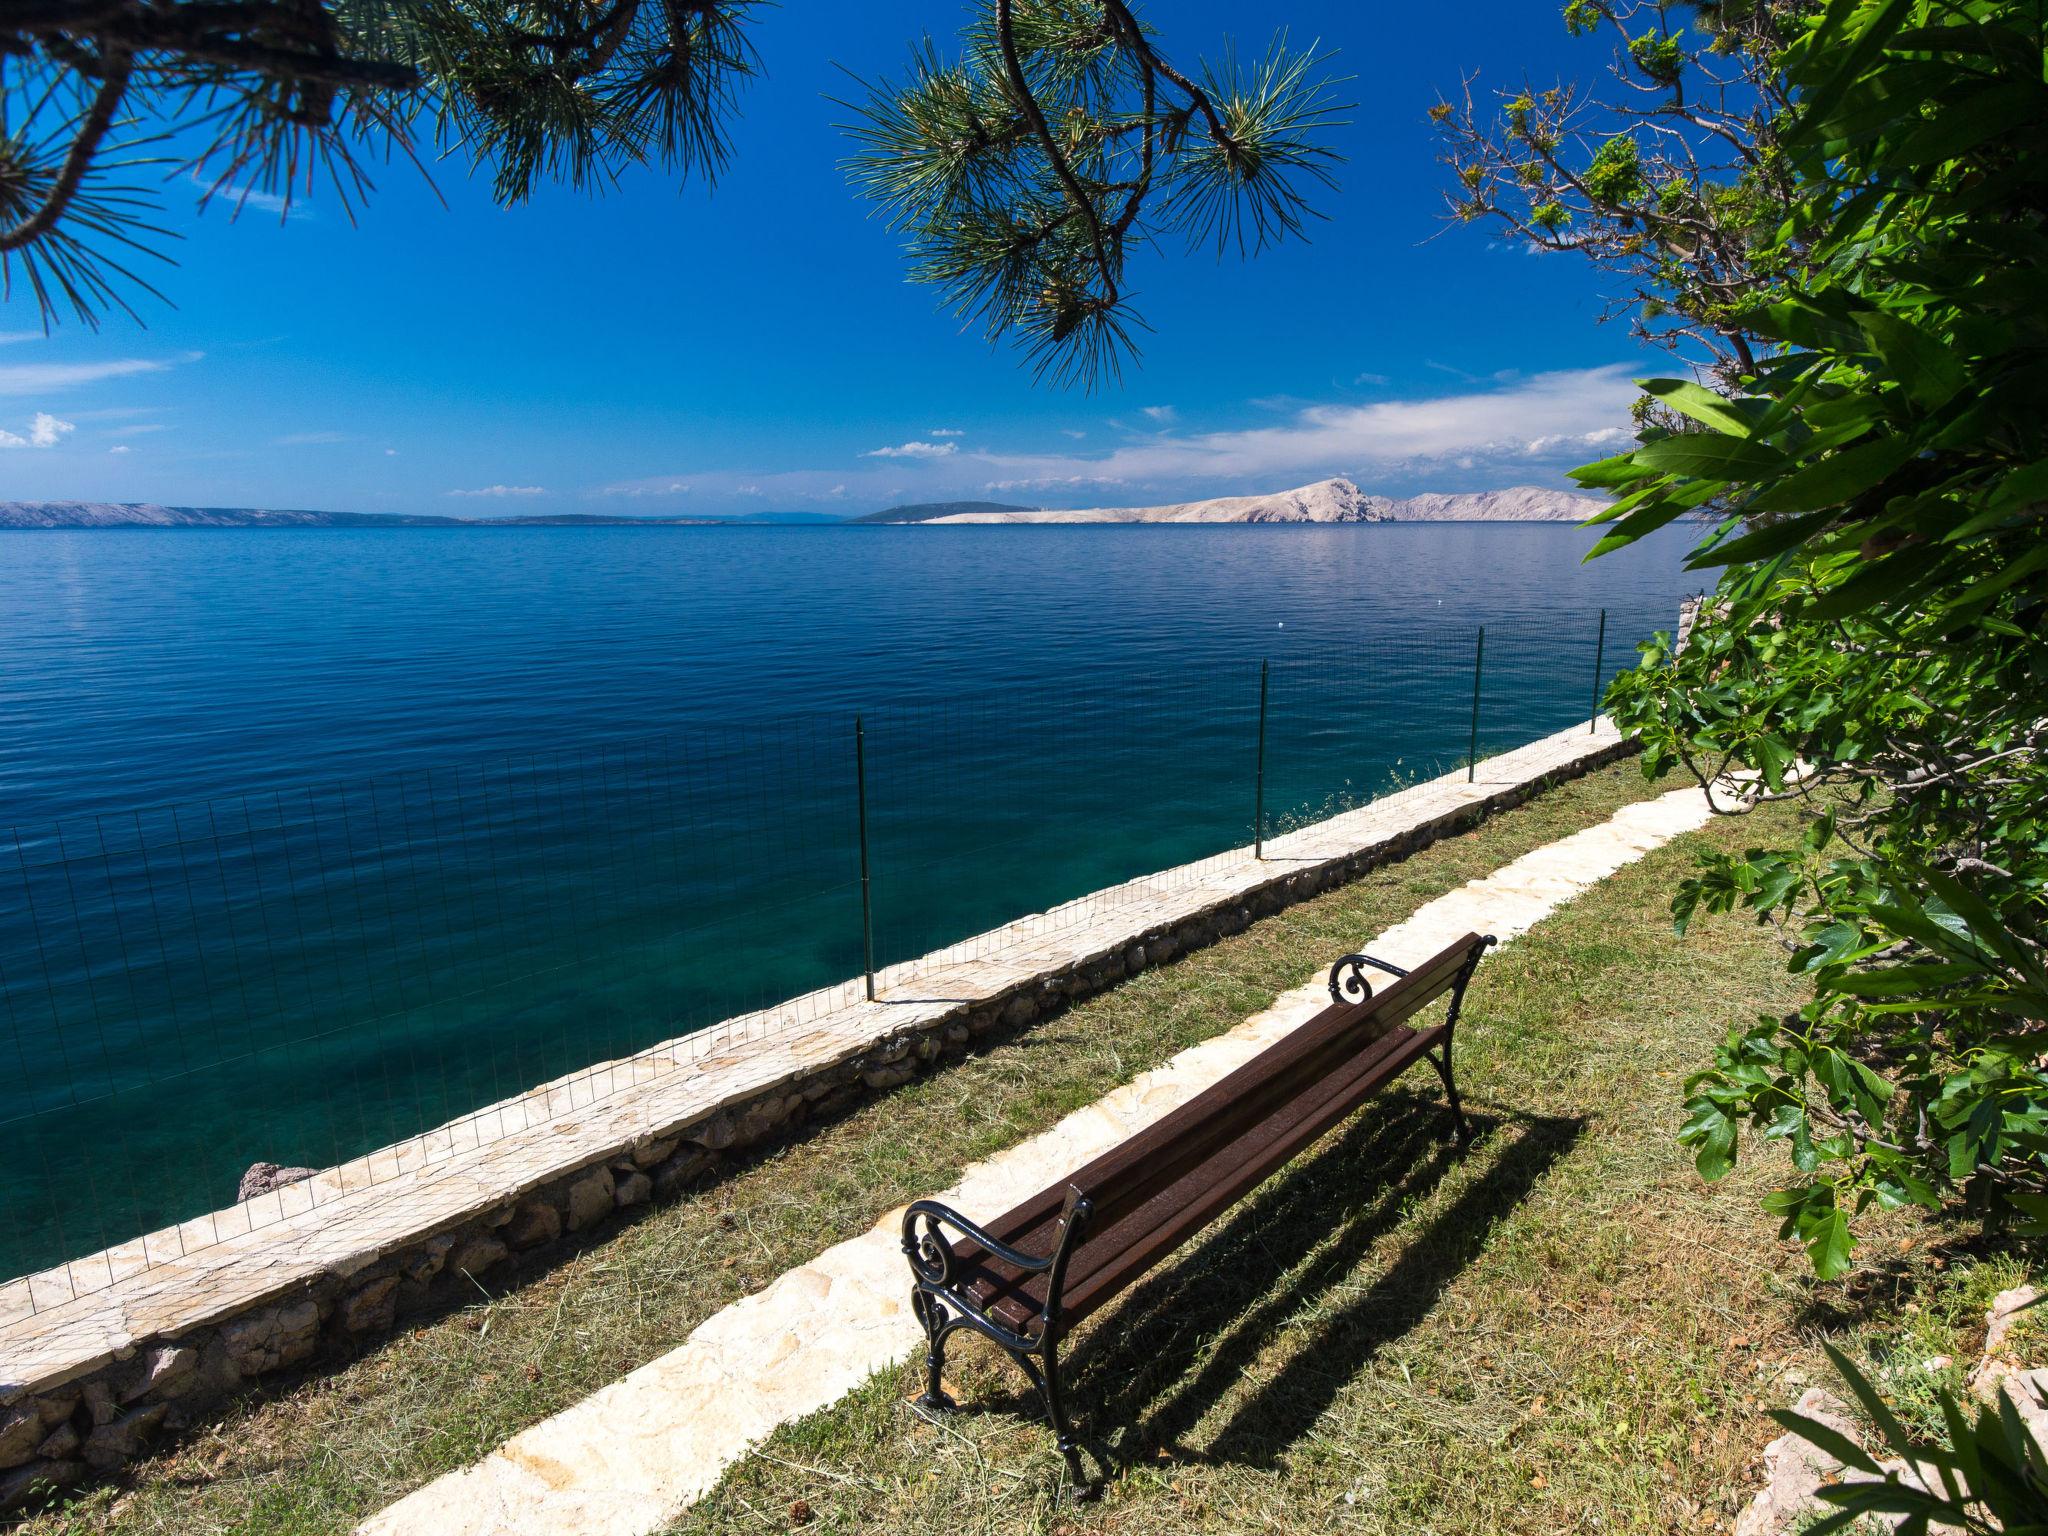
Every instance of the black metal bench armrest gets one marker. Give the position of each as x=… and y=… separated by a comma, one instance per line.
x=1347, y=977
x=933, y=1262
x=931, y=1255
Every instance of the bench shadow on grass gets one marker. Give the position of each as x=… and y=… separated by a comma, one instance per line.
x=1148, y=1371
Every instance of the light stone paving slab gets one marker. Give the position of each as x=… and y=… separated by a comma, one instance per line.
x=64, y=1322
x=631, y=1457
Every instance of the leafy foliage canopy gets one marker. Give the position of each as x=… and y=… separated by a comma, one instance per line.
x=1875, y=645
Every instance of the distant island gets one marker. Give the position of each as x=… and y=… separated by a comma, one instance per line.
x=149, y=514
x=1326, y=501
x=937, y=511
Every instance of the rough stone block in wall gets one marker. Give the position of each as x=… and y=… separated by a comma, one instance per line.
x=590, y=1198
x=534, y=1222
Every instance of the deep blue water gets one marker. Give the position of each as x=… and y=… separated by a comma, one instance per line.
x=319, y=838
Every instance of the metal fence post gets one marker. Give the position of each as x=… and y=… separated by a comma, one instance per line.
x=867, y=910
x=1478, y=665
x=1599, y=661
x=1259, y=783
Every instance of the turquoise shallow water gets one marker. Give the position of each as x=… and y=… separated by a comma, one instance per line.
x=320, y=838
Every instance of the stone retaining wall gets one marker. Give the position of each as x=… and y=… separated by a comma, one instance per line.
x=63, y=1422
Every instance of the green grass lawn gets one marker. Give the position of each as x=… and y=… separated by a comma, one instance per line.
x=1561, y=1327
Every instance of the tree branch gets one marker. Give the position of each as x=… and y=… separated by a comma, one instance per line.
x=1014, y=67
x=78, y=160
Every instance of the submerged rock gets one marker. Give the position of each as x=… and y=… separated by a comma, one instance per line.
x=262, y=1178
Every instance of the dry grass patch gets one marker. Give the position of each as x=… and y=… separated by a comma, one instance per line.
x=318, y=1454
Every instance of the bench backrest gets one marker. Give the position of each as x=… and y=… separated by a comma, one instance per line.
x=1132, y=1173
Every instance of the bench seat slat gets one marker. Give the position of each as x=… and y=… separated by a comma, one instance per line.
x=1112, y=1256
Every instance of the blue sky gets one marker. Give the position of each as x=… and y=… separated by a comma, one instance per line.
x=757, y=348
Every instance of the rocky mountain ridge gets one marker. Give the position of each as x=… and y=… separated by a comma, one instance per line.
x=149, y=514
x=1325, y=501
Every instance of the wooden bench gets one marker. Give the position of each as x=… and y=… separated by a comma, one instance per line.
x=1029, y=1276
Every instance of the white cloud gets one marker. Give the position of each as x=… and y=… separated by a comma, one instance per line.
x=37, y=378
x=913, y=450
x=784, y=486
x=504, y=490
x=1164, y=415
x=1559, y=411
x=220, y=190
x=120, y=448
x=944, y=432
x=44, y=431
x=1557, y=440
x=1073, y=432
x=648, y=488
x=390, y=453
x=1372, y=378
x=1049, y=482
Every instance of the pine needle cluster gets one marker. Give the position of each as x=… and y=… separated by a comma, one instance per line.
x=1027, y=168
x=105, y=103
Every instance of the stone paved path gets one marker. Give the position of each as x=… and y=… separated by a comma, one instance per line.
x=631, y=1457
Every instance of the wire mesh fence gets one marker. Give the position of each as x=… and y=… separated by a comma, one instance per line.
x=304, y=975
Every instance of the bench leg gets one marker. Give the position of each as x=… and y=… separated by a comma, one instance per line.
x=1442, y=1061
x=931, y=1316
x=1047, y=1381
x=1460, y=1126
